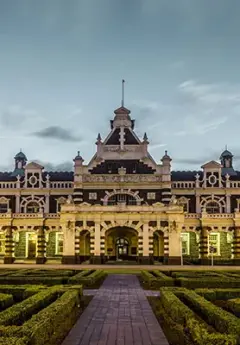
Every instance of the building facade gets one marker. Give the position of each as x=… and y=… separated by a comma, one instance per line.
x=122, y=205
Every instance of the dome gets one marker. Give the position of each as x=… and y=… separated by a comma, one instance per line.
x=166, y=156
x=78, y=157
x=226, y=154
x=20, y=155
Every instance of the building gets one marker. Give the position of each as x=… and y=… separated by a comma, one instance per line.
x=122, y=205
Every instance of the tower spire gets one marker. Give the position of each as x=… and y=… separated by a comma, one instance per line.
x=123, y=81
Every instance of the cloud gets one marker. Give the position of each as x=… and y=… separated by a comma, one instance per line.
x=16, y=117
x=64, y=166
x=56, y=133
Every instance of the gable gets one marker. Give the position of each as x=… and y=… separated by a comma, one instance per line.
x=33, y=165
x=211, y=165
x=130, y=138
x=131, y=166
x=114, y=137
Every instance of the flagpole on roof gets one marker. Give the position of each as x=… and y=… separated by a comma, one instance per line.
x=123, y=81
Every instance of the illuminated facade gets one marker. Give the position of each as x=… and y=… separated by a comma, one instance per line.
x=122, y=205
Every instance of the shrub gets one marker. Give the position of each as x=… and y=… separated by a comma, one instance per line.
x=194, y=283
x=20, y=292
x=234, y=306
x=13, y=341
x=155, y=279
x=5, y=301
x=20, y=312
x=218, y=294
x=53, y=323
x=88, y=278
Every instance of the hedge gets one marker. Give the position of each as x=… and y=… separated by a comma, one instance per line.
x=234, y=306
x=220, y=319
x=53, y=323
x=6, y=301
x=196, y=274
x=156, y=279
x=88, y=278
x=13, y=341
x=33, y=280
x=20, y=292
x=218, y=294
x=190, y=327
x=20, y=312
x=214, y=282
x=42, y=272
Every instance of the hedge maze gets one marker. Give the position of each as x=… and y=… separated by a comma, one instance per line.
x=39, y=307
x=197, y=307
x=156, y=279
x=89, y=278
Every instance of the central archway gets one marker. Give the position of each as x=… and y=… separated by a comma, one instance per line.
x=121, y=244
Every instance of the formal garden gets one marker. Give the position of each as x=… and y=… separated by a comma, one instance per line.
x=40, y=306
x=196, y=307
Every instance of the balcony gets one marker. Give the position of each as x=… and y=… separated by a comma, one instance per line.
x=209, y=215
x=10, y=215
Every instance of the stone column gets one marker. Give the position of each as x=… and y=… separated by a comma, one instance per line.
x=68, y=243
x=236, y=246
x=175, y=246
x=9, y=246
x=17, y=205
x=96, y=259
x=165, y=246
x=145, y=257
x=228, y=204
x=203, y=246
x=41, y=246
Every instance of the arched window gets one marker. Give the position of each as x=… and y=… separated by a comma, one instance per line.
x=122, y=199
x=32, y=207
x=213, y=207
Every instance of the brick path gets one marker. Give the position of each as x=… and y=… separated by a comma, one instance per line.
x=119, y=314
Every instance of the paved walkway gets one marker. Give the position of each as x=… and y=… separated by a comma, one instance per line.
x=119, y=314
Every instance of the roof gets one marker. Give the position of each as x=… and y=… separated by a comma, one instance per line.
x=122, y=110
x=185, y=175
x=226, y=153
x=59, y=175
x=7, y=176
x=211, y=165
x=33, y=165
x=17, y=172
x=20, y=155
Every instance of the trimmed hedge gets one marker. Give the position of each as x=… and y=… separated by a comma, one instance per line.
x=214, y=282
x=13, y=341
x=234, y=306
x=156, y=279
x=5, y=301
x=218, y=294
x=20, y=292
x=88, y=278
x=190, y=328
x=51, y=325
x=20, y=312
x=33, y=280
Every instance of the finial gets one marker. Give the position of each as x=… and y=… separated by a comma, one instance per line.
x=20, y=150
x=99, y=137
x=226, y=147
x=165, y=152
x=78, y=153
x=145, y=138
x=123, y=81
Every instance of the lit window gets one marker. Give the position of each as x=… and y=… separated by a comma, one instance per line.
x=151, y=196
x=185, y=243
x=214, y=243
x=92, y=196
x=32, y=207
x=59, y=243
x=122, y=199
x=213, y=207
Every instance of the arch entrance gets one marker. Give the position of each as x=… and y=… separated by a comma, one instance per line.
x=121, y=244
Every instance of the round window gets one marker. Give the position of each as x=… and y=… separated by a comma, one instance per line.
x=212, y=179
x=33, y=180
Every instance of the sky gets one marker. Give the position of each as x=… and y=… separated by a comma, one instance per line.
x=62, y=62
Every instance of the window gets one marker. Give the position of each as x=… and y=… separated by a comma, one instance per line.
x=185, y=243
x=214, y=242
x=2, y=244
x=59, y=243
x=121, y=199
x=151, y=196
x=213, y=207
x=92, y=196
x=60, y=202
x=3, y=207
x=32, y=207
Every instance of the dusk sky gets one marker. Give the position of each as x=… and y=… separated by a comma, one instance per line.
x=62, y=62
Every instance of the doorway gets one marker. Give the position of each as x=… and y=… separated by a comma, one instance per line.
x=31, y=246
x=122, y=247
